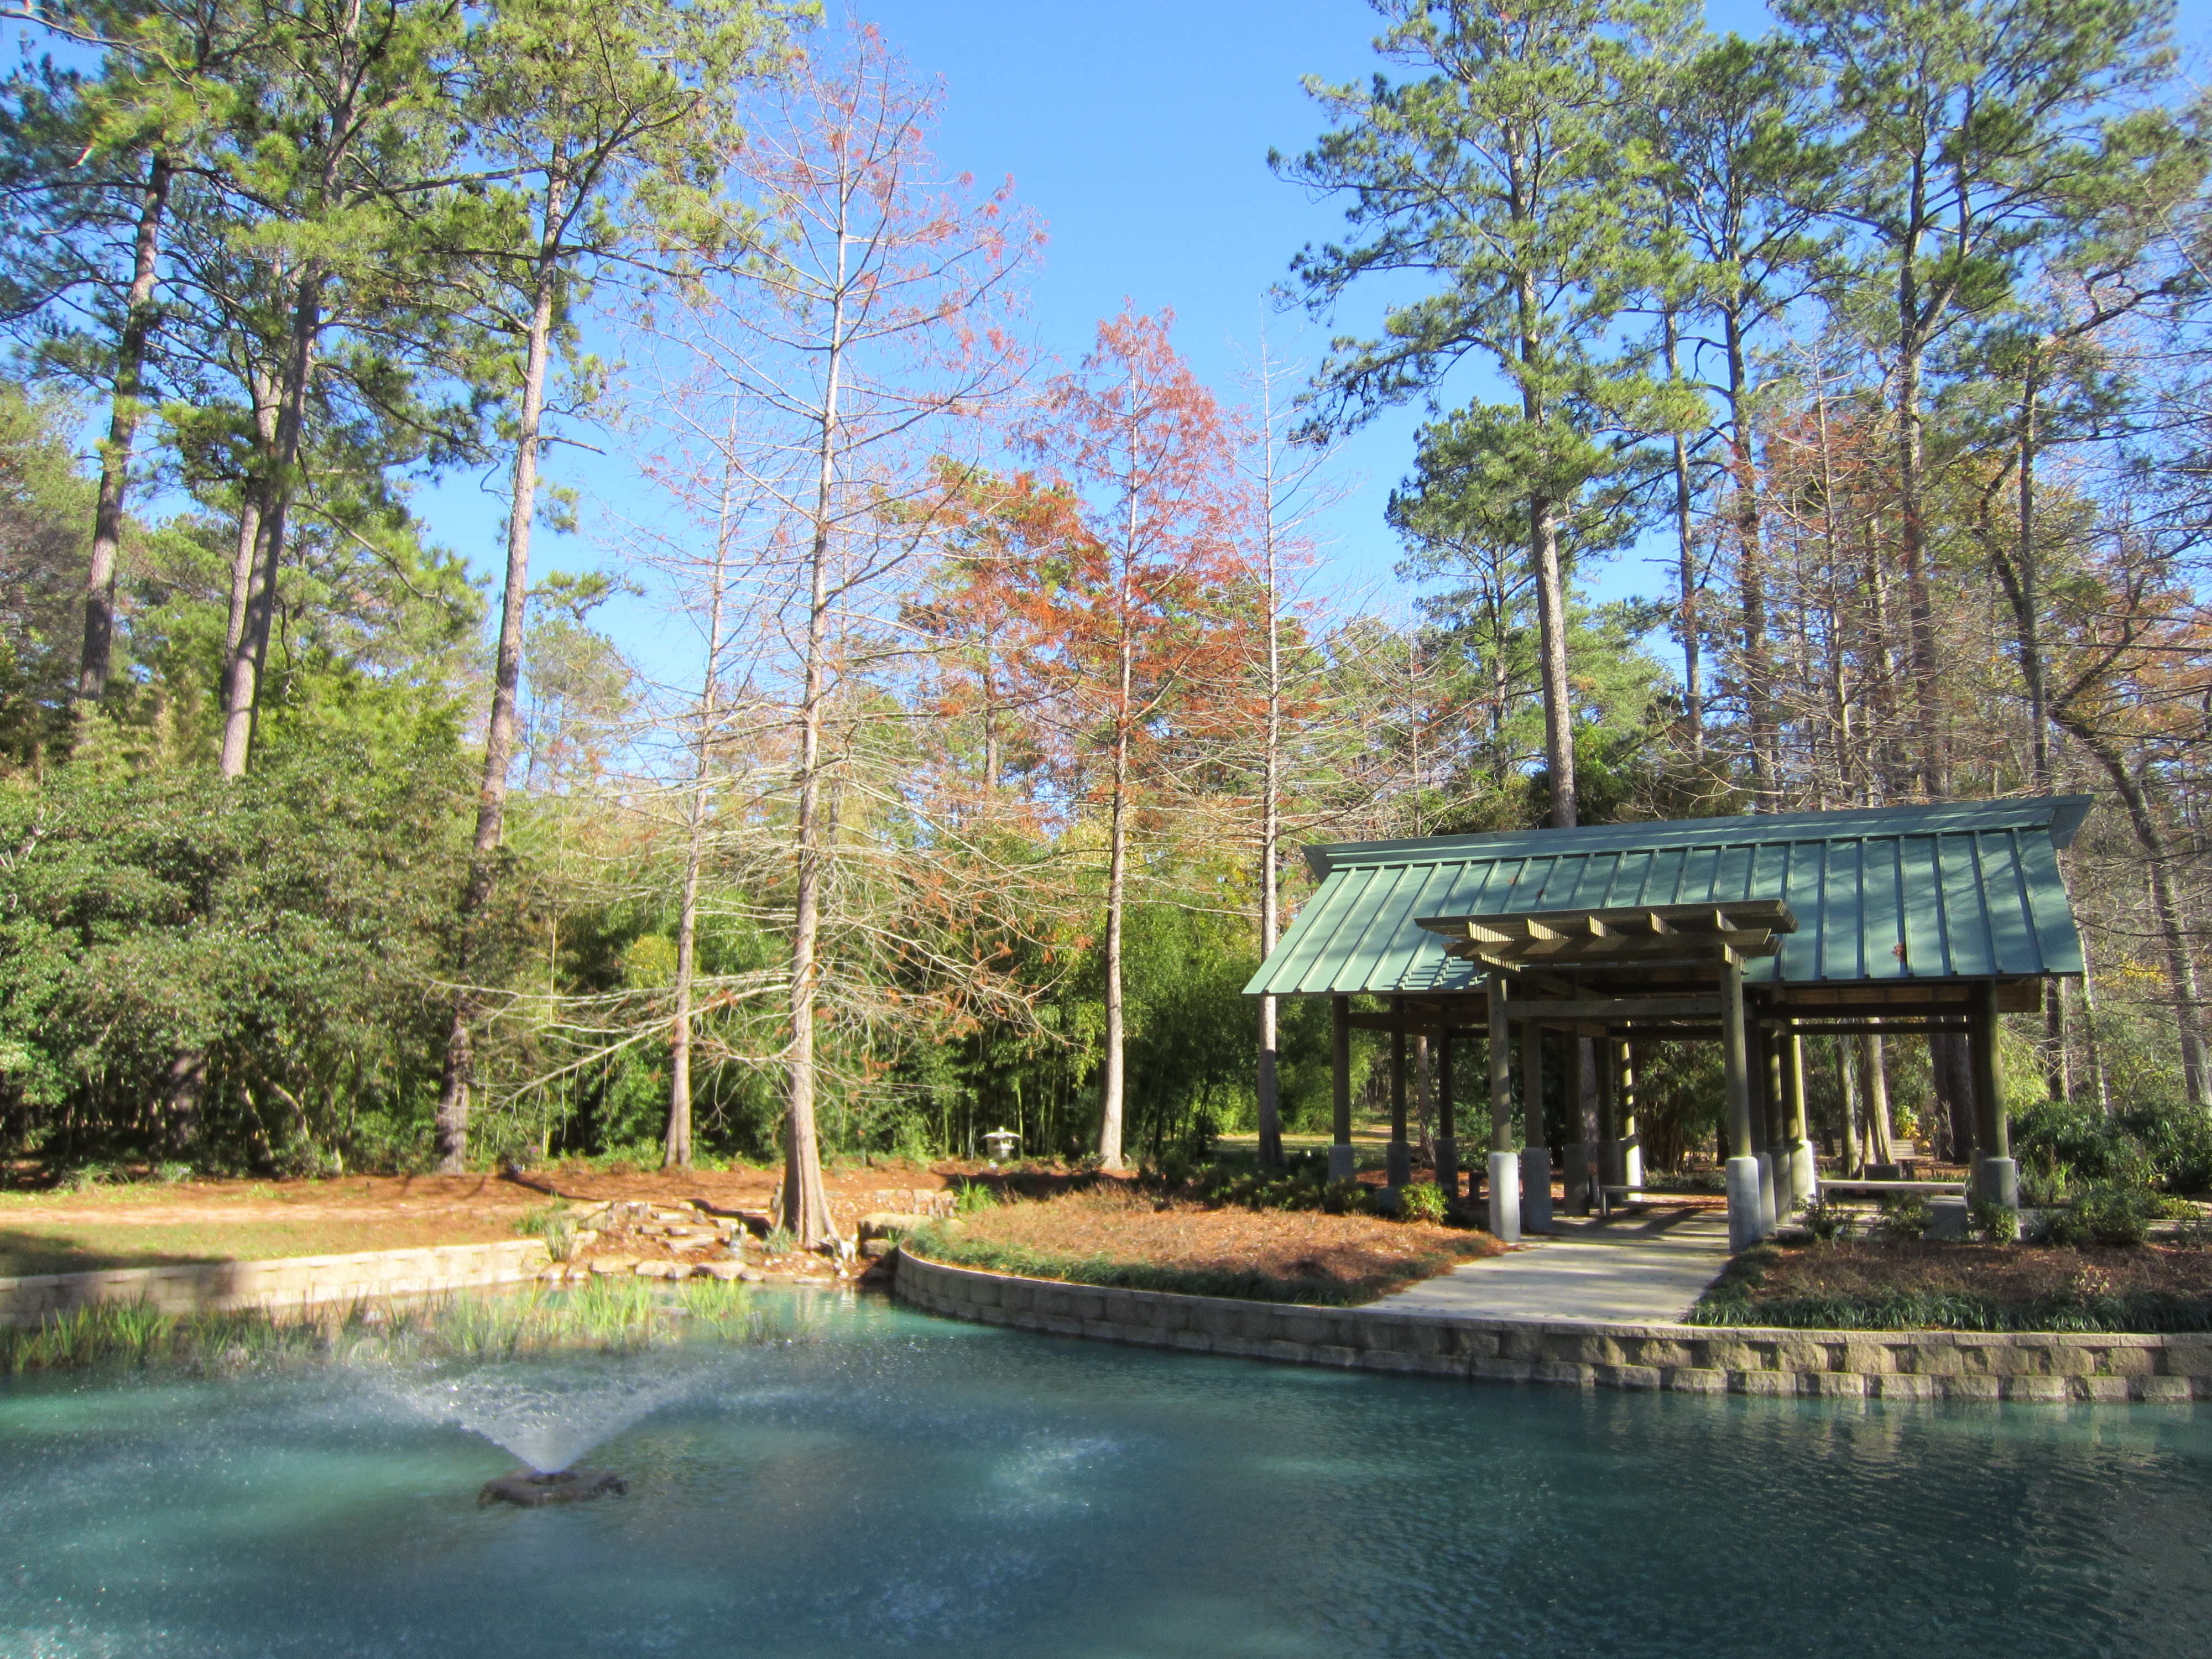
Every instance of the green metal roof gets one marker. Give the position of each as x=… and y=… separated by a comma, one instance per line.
x=1969, y=890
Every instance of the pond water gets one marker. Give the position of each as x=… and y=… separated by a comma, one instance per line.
x=902, y=1485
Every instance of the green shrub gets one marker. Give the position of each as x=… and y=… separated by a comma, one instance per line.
x=1905, y=1217
x=973, y=1195
x=2060, y=1144
x=778, y=1242
x=1171, y=1171
x=1993, y=1223
x=2178, y=1139
x=1826, y=1220
x=1299, y=1188
x=2101, y=1215
x=1343, y=1197
x=1424, y=1200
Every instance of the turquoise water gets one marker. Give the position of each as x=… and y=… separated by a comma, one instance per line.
x=901, y=1485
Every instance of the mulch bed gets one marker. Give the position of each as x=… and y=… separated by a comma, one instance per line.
x=1121, y=1235
x=1870, y=1285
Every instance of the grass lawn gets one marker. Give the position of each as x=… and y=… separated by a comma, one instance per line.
x=1874, y=1284
x=1118, y=1234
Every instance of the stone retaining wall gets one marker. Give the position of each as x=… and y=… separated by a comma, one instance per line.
x=1687, y=1359
x=289, y=1284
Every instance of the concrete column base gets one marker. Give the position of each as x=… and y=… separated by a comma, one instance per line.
x=1745, y=1228
x=1343, y=1162
x=1398, y=1165
x=1576, y=1196
x=1804, y=1174
x=1610, y=1168
x=1631, y=1162
x=1506, y=1197
x=1768, y=1215
x=1444, y=1152
x=1536, y=1189
x=1998, y=1179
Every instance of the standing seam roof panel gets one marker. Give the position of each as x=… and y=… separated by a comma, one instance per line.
x=1312, y=931
x=1969, y=890
x=1379, y=929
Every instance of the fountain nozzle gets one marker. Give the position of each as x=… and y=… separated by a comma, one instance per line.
x=531, y=1490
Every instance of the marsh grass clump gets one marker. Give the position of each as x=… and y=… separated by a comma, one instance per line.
x=554, y=1223
x=620, y=1316
x=136, y=1333
x=974, y=1196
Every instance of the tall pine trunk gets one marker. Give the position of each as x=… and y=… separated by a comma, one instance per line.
x=1551, y=588
x=1934, y=760
x=1694, y=694
x=251, y=626
x=97, y=661
x=1552, y=635
x=1751, y=580
x=453, y=1118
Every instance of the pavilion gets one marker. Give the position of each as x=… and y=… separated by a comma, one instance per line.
x=1755, y=932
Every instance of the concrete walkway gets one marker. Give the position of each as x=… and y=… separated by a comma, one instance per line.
x=1633, y=1269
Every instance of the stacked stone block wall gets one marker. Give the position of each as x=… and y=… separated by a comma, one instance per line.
x=1928, y=1365
x=293, y=1284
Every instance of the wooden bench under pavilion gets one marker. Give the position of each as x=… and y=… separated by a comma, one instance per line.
x=1754, y=932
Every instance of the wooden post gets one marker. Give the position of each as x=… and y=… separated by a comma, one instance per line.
x=1340, y=1164
x=1847, y=1095
x=1631, y=1148
x=1608, y=1114
x=1446, y=1155
x=1773, y=1187
x=1535, y=1154
x=1745, y=1228
x=1996, y=1176
x=1582, y=1102
x=1804, y=1169
x=1398, y=1164
x=1505, y=1171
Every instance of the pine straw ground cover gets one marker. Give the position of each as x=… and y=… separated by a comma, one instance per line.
x=1882, y=1286
x=1124, y=1237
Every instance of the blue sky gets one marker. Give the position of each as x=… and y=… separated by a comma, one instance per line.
x=1139, y=131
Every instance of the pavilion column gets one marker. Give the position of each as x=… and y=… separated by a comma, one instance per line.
x=1536, y=1155
x=1632, y=1145
x=1804, y=1168
x=1504, y=1167
x=1582, y=1101
x=1340, y=1164
x=1767, y=1119
x=1608, y=1114
x=1997, y=1177
x=1446, y=1142
x=1745, y=1228
x=1398, y=1162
